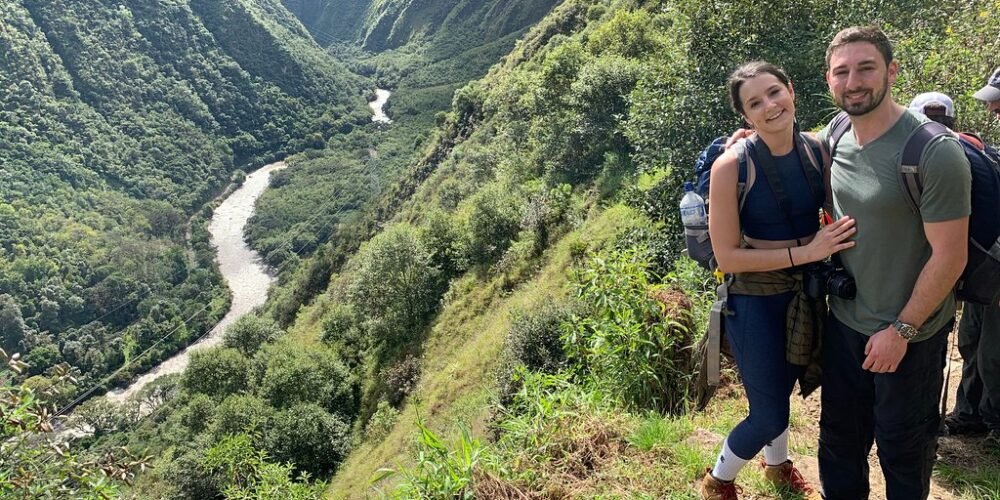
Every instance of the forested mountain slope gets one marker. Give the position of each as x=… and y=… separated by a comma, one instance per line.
x=387, y=24
x=541, y=326
x=118, y=120
x=486, y=299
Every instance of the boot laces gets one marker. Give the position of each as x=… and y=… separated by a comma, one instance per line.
x=729, y=491
x=795, y=480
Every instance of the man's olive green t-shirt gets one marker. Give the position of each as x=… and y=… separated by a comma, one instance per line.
x=891, y=247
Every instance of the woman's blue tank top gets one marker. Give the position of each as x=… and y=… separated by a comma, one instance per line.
x=761, y=217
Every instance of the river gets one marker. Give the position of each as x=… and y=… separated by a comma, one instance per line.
x=245, y=274
x=378, y=113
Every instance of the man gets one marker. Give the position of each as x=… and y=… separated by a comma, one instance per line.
x=936, y=106
x=990, y=94
x=884, y=351
x=977, y=405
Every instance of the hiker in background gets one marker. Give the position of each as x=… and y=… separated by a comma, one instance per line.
x=760, y=236
x=977, y=404
x=884, y=351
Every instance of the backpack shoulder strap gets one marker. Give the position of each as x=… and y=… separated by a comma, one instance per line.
x=747, y=172
x=911, y=157
x=836, y=130
x=972, y=139
x=811, y=156
x=763, y=158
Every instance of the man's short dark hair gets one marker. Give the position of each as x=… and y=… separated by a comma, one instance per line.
x=869, y=34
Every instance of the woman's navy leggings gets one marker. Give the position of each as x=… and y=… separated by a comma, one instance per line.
x=756, y=332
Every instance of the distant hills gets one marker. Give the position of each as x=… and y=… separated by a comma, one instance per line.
x=387, y=24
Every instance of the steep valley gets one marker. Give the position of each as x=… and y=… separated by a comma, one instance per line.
x=484, y=297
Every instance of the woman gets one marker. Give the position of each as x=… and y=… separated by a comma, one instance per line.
x=759, y=236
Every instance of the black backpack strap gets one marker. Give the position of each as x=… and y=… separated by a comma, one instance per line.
x=811, y=158
x=836, y=130
x=761, y=155
x=913, y=153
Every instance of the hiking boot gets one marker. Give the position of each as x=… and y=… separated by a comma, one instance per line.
x=714, y=489
x=958, y=426
x=788, y=477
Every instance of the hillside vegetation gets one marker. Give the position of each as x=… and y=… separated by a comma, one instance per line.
x=486, y=299
x=595, y=116
x=118, y=121
x=378, y=25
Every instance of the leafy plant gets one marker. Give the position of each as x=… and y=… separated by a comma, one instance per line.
x=381, y=422
x=440, y=471
x=35, y=466
x=623, y=339
x=246, y=473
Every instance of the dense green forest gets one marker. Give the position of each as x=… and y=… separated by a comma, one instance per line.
x=485, y=298
x=119, y=122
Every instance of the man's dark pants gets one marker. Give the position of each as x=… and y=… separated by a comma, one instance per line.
x=978, y=398
x=897, y=410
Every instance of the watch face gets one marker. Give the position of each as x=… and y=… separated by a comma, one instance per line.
x=905, y=331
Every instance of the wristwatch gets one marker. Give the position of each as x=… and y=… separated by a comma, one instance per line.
x=905, y=330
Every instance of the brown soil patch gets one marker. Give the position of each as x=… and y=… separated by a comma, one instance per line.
x=703, y=438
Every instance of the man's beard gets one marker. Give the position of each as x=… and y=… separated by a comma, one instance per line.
x=865, y=107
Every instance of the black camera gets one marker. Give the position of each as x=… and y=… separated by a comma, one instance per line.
x=827, y=278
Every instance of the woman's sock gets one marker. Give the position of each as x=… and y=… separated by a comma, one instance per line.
x=728, y=465
x=776, y=452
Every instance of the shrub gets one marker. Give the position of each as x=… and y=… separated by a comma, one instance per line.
x=197, y=413
x=401, y=378
x=244, y=472
x=240, y=413
x=534, y=342
x=217, y=372
x=632, y=338
x=393, y=286
x=494, y=217
x=289, y=374
x=382, y=421
x=630, y=33
x=185, y=472
x=308, y=437
x=250, y=332
x=342, y=332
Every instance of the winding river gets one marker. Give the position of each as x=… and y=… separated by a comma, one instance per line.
x=378, y=114
x=244, y=272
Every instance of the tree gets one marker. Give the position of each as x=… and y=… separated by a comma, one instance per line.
x=249, y=333
x=217, y=372
x=393, y=285
x=290, y=374
x=12, y=327
x=104, y=416
x=309, y=437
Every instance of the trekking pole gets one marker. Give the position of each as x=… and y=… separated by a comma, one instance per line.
x=947, y=380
